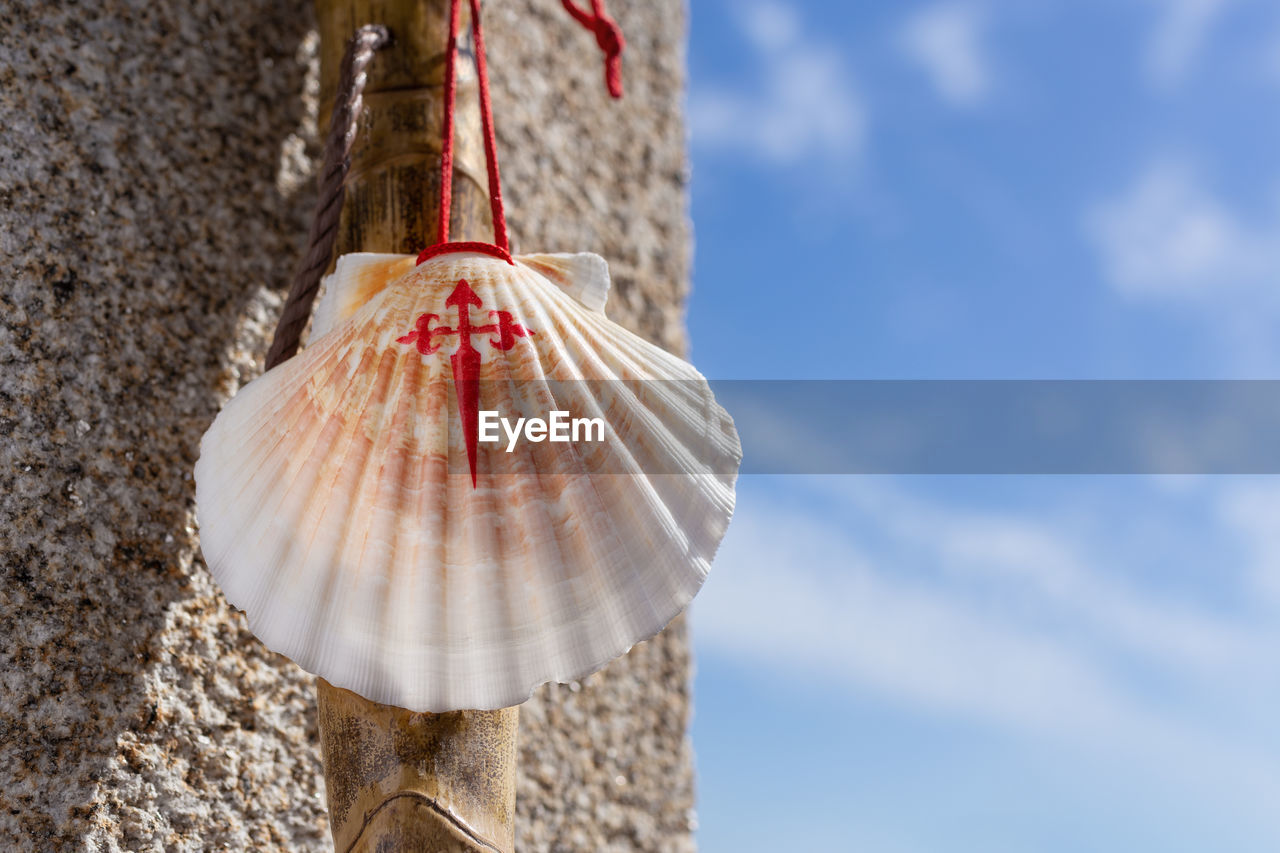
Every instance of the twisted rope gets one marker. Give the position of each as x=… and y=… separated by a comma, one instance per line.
x=333, y=173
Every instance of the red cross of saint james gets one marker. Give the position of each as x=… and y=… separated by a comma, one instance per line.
x=466, y=359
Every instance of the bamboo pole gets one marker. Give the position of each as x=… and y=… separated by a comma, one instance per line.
x=398, y=780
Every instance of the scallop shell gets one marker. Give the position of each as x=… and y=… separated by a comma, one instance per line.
x=337, y=508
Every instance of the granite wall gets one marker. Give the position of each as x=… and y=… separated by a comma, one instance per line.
x=155, y=184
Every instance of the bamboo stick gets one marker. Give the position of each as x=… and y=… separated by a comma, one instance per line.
x=398, y=780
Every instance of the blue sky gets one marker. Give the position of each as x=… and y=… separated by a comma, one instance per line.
x=970, y=189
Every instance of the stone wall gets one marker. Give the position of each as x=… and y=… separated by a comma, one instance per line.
x=155, y=184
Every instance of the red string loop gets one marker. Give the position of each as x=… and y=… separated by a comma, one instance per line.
x=608, y=36
x=490, y=138
x=500, y=241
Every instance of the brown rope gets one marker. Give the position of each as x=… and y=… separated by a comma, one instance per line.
x=333, y=173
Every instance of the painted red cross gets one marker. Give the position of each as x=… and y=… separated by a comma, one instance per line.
x=466, y=359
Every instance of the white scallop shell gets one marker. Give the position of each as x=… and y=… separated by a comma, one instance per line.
x=336, y=508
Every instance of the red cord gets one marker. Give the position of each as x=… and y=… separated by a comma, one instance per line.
x=608, y=36
x=446, y=142
x=490, y=140
x=500, y=242
x=466, y=246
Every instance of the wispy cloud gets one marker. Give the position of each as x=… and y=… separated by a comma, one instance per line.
x=1174, y=241
x=1182, y=28
x=994, y=616
x=1250, y=510
x=1169, y=235
x=802, y=103
x=946, y=42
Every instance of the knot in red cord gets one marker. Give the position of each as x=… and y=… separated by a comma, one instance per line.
x=608, y=36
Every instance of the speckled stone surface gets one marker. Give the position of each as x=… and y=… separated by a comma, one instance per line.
x=155, y=185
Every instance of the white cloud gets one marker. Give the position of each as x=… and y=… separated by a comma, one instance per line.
x=1169, y=236
x=1030, y=563
x=1000, y=617
x=1181, y=31
x=801, y=598
x=1251, y=511
x=803, y=104
x=945, y=41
